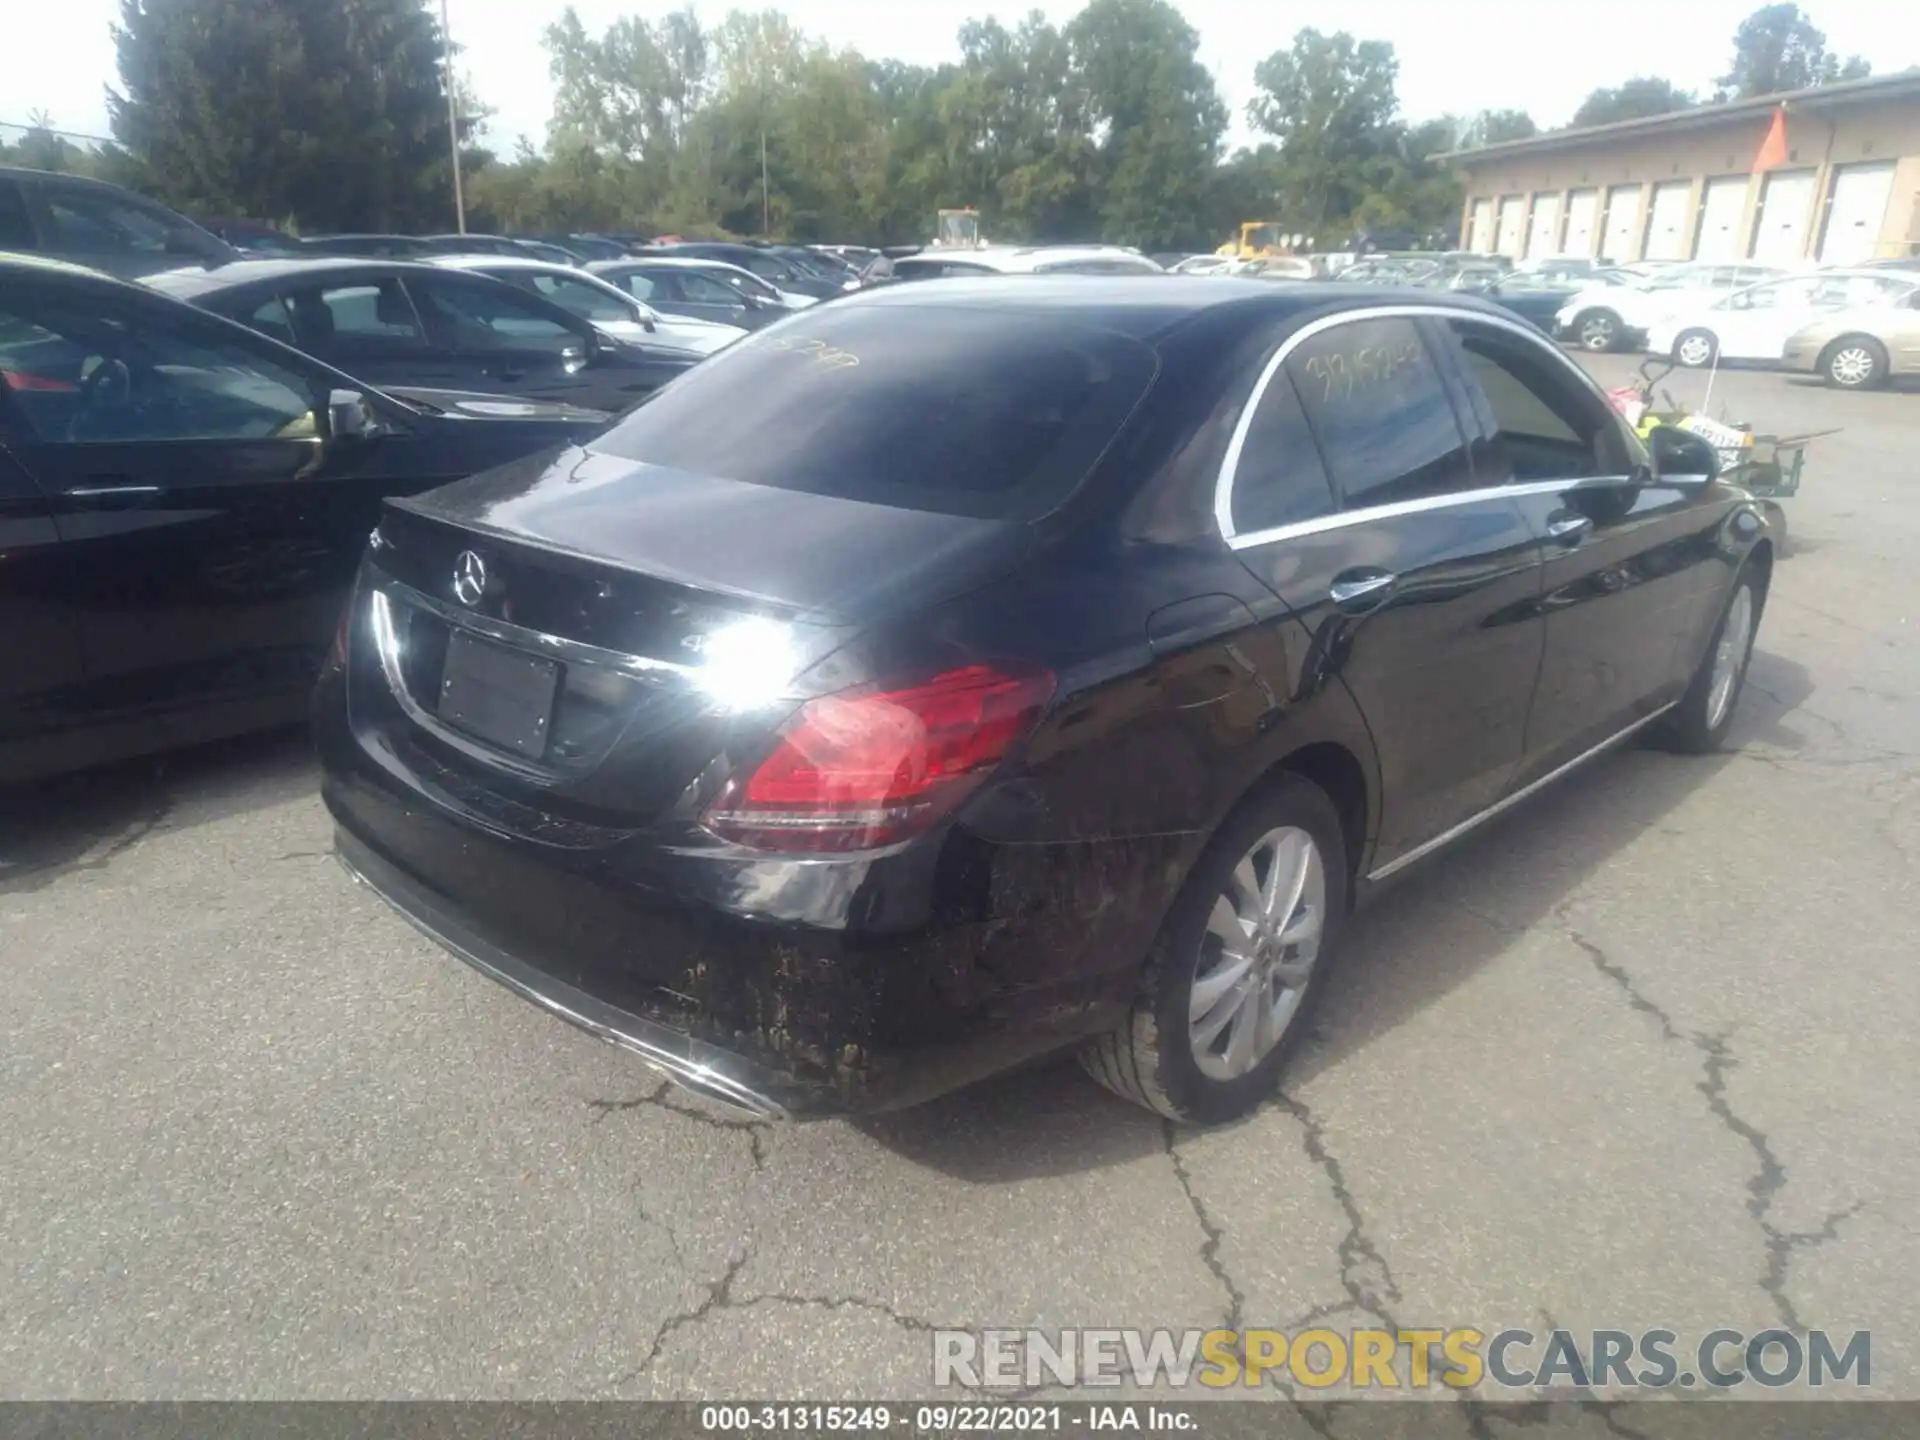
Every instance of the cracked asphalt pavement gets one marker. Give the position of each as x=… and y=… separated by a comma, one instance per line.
x=1640, y=1054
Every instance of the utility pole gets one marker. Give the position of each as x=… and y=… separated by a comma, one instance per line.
x=766, y=226
x=453, y=122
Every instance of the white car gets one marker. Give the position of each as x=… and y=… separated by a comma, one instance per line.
x=742, y=280
x=932, y=264
x=610, y=309
x=1756, y=323
x=1616, y=315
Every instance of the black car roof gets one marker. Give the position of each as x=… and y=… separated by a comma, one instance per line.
x=1148, y=305
x=240, y=273
x=23, y=172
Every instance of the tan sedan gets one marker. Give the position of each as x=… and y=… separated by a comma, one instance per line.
x=1859, y=349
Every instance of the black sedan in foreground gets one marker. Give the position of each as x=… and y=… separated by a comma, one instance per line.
x=182, y=507
x=960, y=673
x=395, y=322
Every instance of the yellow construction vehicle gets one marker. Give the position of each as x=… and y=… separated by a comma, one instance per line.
x=1259, y=240
x=959, y=230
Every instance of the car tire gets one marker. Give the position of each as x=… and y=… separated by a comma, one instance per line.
x=1698, y=725
x=1597, y=330
x=1854, y=362
x=1162, y=1056
x=1695, y=349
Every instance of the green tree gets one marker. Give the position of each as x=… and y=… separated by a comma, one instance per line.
x=1636, y=99
x=1778, y=48
x=1329, y=102
x=324, y=113
x=1013, y=133
x=1158, y=116
x=1493, y=127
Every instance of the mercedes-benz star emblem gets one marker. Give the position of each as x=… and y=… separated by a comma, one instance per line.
x=469, y=578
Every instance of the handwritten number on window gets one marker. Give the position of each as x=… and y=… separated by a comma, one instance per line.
x=815, y=350
x=1357, y=373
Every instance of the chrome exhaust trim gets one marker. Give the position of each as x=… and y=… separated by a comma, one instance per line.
x=655, y=1046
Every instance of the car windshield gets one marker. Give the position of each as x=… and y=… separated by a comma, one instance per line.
x=983, y=414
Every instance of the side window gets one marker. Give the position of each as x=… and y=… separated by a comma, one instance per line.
x=1544, y=426
x=273, y=318
x=645, y=287
x=85, y=221
x=767, y=267
x=79, y=376
x=16, y=225
x=1374, y=400
x=490, y=317
x=1279, y=479
x=589, y=302
x=325, y=315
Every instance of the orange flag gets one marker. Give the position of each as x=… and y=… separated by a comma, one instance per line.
x=1773, y=150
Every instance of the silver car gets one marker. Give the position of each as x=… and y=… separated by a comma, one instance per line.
x=1859, y=349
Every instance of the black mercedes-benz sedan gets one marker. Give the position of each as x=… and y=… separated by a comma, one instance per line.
x=960, y=673
x=396, y=322
x=183, y=504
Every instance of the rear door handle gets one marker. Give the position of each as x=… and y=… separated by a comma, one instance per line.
x=1568, y=528
x=1358, y=591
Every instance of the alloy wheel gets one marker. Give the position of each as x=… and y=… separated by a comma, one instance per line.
x=1730, y=656
x=1257, y=954
x=1597, y=332
x=1853, y=365
x=1694, y=350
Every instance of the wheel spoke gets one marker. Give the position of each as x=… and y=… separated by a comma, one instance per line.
x=1292, y=974
x=1208, y=988
x=1296, y=885
x=1246, y=1020
x=1303, y=930
x=1225, y=923
x=1205, y=1032
x=1246, y=886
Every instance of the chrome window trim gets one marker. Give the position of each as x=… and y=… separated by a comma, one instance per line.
x=1473, y=822
x=1340, y=519
x=1230, y=464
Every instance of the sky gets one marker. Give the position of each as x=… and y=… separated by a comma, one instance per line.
x=1455, y=56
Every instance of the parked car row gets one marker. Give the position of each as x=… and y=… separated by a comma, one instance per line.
x=1855, y=326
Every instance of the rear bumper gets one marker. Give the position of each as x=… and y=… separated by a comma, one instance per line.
x=780, y=987
x=708, y=1071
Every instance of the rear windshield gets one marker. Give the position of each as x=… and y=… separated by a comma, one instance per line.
x=962, y=412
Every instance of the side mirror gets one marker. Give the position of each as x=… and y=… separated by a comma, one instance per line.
x=1678, y=452
x=351, y=416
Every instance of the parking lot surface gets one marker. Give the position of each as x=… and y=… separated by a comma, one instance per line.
x=1639, y=1054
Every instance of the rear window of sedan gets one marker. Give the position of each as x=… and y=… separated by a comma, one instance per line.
x=989, y=414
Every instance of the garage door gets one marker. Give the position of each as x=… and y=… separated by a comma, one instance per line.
x=1513, y=226
x=1543, y=231
x=1480, y=233
x=1622, y=244
x=1583, y=209
x=1856, y=212
x=1786, y=210
x=1720, y=209
x=1667, y=222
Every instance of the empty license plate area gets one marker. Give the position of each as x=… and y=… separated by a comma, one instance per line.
x=498, y=694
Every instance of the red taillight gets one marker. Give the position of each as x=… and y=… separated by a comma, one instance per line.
x=854, y=771
x=22, y=380
x=341, y=635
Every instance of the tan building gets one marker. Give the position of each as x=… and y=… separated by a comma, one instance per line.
x=1684, y=186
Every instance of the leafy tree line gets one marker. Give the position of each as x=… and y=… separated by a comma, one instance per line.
x=332, y=115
